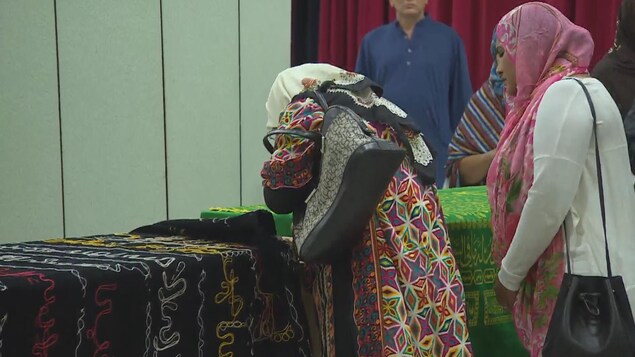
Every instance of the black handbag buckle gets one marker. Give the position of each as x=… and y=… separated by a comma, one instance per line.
x=591, y=301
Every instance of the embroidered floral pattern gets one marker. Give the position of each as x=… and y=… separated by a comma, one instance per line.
x=291, y=164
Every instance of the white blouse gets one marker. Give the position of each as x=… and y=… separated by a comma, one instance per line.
x=566, y=186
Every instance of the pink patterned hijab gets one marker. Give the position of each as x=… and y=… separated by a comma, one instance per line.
x=545, y=47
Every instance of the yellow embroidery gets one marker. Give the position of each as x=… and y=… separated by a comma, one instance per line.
x=236, y=305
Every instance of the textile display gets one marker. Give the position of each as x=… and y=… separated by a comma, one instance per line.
x=467, y=216
x=146, y=294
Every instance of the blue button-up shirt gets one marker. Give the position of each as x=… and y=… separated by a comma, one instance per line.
x=426, y=75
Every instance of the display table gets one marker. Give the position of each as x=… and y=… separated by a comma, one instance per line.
x=467, y=215
x=139, y=295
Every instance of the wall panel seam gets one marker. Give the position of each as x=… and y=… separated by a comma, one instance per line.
x=59, y=118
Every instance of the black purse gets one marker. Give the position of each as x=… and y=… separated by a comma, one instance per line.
x=592, y=316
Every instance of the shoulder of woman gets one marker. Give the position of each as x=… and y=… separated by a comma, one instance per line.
x=564, y=99
x=565, y=88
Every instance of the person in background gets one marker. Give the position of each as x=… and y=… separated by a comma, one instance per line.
x=617, y=69
x=544, y=175
x=474, y=142
x=422, y=66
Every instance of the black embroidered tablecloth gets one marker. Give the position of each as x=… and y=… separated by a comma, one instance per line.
x=151, y=293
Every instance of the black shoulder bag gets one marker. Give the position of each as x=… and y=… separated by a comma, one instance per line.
x=355, y=168
x=592, y=316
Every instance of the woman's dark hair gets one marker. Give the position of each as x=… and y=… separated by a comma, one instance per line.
x=626, y=25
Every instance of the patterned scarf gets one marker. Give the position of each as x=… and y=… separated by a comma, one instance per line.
x=545, y=47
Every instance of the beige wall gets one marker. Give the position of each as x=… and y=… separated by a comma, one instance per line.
x=160, y=110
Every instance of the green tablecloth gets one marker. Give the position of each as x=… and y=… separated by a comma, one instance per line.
x=467, y=216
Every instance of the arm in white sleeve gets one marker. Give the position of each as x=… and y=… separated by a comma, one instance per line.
x=562, y=137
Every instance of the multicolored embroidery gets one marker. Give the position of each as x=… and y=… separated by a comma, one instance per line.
x=291, y=164
x=409, y=298
x=421, y=301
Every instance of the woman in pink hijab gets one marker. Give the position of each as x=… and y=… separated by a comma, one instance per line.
x=543, y=176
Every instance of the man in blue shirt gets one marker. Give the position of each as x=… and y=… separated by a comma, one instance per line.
x=421, y=65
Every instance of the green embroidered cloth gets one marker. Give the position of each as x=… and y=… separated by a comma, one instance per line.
x=467, y=215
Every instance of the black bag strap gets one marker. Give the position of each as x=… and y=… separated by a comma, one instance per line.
x=598, y=165
x=321, y=100
x=315, y=137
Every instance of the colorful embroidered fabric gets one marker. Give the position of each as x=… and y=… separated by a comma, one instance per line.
x=409, y=298
x=291, y=164
x=406, y=254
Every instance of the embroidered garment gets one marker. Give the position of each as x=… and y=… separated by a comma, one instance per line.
x=406, y=296
x=291, y=164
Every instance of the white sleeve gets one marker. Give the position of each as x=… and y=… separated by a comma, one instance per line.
x=562, y=136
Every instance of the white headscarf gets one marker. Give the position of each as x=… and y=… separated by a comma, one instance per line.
x=289, y=83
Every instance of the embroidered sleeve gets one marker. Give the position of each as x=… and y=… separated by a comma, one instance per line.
x=290, y=166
